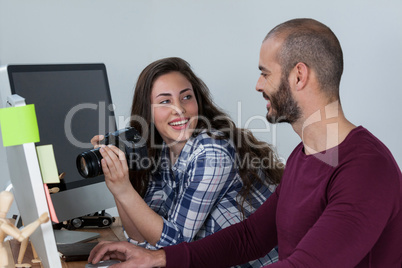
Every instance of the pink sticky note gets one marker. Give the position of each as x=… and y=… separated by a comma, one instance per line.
x=52, y=212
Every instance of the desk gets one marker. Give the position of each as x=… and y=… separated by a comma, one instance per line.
x=113, y=233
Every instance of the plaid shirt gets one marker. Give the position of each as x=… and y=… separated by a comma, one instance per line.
x=198, y=195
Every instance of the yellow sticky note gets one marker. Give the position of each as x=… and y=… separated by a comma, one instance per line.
x=19, y=125
x=47, y=163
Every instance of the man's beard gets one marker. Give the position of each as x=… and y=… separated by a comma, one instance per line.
x=283, y=106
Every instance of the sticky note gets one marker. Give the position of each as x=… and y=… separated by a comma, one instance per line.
x=52, y=211
x=19, y=125
x=47, y=164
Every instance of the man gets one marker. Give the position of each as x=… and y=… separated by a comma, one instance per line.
x=340, y=200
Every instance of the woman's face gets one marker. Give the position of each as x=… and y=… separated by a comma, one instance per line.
x=174, y=109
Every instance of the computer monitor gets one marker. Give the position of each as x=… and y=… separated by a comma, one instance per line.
x=72, y=104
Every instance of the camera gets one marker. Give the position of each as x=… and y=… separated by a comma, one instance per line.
x=128, y=140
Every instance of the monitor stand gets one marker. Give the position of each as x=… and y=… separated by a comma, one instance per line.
x=70, y=237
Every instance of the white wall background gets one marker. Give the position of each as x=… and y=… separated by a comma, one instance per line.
x=221, y=40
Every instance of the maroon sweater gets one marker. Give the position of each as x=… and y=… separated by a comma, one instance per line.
x=341, y=208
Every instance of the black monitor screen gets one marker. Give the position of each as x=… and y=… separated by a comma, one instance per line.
x=72, y=104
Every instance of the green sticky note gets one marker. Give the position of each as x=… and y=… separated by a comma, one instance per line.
x=19, y=125
x=47, y=164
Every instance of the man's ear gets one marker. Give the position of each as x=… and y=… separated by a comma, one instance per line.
x=301, y=75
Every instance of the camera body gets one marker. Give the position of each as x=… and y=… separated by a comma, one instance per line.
x=128, y=140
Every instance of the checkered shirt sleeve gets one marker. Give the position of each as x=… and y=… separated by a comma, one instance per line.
x=197, y=196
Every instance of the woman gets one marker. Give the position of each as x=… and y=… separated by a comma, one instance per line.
x=205, y=174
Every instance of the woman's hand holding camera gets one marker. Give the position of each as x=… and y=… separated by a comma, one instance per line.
x=95, y=141
x=114, y=166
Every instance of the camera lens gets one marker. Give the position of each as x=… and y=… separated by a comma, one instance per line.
x=89, y=163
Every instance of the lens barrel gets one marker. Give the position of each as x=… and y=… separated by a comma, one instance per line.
x=128, y=140
x=89, y=163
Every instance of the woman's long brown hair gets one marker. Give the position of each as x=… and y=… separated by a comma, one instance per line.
x=210, y=116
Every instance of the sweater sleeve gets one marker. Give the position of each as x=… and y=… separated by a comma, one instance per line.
x=236, y=244
x=363, y=198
